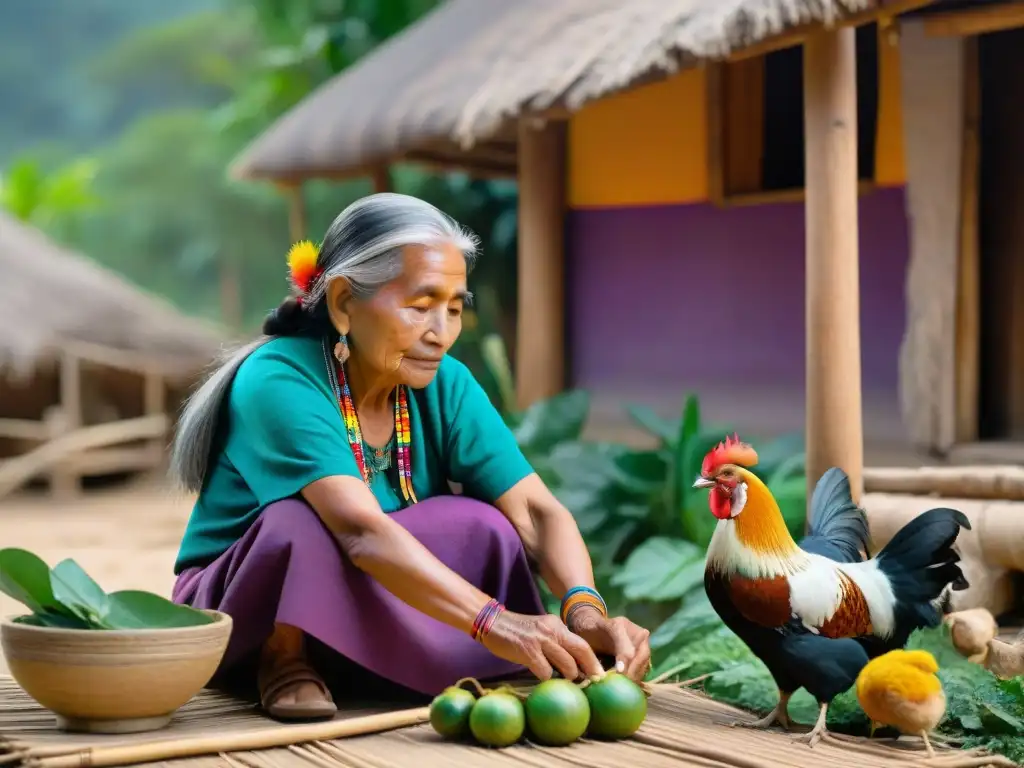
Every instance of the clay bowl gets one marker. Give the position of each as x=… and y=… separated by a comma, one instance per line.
x=114, y=681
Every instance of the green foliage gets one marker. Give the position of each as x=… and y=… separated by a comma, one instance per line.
x=66, y=597
x=49, y=94
x=173, y=97
x=49, y=199
x=647, y=528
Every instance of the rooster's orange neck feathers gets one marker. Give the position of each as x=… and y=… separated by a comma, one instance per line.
x=761, y=527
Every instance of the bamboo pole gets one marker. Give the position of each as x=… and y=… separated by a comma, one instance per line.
x=268, y=738
x=834, y=428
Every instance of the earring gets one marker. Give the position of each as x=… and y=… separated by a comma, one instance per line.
x=341, y=350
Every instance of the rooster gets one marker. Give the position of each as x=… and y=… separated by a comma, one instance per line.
x=815, y=613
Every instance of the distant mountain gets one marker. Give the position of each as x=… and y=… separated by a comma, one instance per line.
x=46, y=93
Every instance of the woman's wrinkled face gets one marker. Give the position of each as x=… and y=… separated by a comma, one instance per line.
x=404, y=330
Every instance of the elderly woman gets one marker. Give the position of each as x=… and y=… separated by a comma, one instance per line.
x=324, y=454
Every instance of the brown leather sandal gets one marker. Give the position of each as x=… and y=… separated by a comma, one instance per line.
x=273, y=682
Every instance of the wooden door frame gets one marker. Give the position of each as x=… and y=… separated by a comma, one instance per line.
x=968, y=299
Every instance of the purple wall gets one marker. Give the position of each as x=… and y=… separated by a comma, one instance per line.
x=681, y=296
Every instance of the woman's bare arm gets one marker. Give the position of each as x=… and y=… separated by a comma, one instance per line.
x=549, y=533
x=553, y=541
x=386, y=551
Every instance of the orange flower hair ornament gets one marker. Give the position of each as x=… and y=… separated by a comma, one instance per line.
x=302, y=266
x=729, y=451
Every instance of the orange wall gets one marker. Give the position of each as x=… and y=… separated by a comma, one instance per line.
x=890, y=170
x=642, y=147
x=649, y=146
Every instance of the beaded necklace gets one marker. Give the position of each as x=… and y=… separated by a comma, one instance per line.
x=380, y=459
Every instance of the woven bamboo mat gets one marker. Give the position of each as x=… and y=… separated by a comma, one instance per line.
x=683, y=729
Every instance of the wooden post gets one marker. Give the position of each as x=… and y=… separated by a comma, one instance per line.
x=296, y=213
x=968, y=306
x=64, y=483
x=540, y=316
x=382, y=179
x=834, y=427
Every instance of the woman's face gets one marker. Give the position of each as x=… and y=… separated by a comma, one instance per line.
x=404, y=330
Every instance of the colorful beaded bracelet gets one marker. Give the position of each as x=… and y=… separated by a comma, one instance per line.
x=579, y=596
x=485, y=619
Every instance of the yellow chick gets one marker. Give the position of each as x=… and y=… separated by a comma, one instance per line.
x=900, y=689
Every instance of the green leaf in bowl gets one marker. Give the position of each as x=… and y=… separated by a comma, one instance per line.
x=53, y=620
x=133, y=609
x=79, y=594
x=26, y=578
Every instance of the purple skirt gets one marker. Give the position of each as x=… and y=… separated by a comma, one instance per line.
x=288, y=569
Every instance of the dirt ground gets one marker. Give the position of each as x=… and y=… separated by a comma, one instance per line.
x=125, y=538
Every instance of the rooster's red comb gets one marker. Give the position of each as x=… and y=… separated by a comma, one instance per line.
x=729, y=451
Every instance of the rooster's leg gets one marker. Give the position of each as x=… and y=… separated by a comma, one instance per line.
x=818, y=731
x=778, y=715
x=927, y=744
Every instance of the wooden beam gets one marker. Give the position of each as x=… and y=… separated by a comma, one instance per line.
x=968, y=307
x=64, y=482
x=172, y=367
x=834, y=427
x=979, y=20
x=714, y=95
x=540, y=318
x=14, y=472
x=296, y=212
x=24, y=429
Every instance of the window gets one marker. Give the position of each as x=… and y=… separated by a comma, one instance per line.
x=757, y=114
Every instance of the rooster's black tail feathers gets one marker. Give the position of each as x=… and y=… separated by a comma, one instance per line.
x=920, y=563
x=838, y=528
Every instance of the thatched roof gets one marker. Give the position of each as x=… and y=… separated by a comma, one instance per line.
x=50, y=297
x=446, y=89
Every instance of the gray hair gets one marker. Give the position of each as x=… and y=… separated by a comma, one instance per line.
x=364, y=245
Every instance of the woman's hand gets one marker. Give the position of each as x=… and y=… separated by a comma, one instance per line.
x=618, y=637
x=542, y=644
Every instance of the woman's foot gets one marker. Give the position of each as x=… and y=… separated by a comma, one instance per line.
x=290, y=689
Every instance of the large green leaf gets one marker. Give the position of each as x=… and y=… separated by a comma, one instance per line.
x=582, y=466
x=694, y=620
x=689, y=425
x=606, y=543
x=79, y=594
x=26, y=578
x=495, y=357
x=641, y=472
x=698, y=522
x=652, y=564
x=133, y=609
x=585, y=505
x=681, y=581
x=556, y=420
x=666, y=430
x=785, y=450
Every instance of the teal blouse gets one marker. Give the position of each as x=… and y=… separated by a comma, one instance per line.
x=281, y=430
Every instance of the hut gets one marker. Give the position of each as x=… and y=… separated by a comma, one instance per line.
x=784, y=205
x=90, y=366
